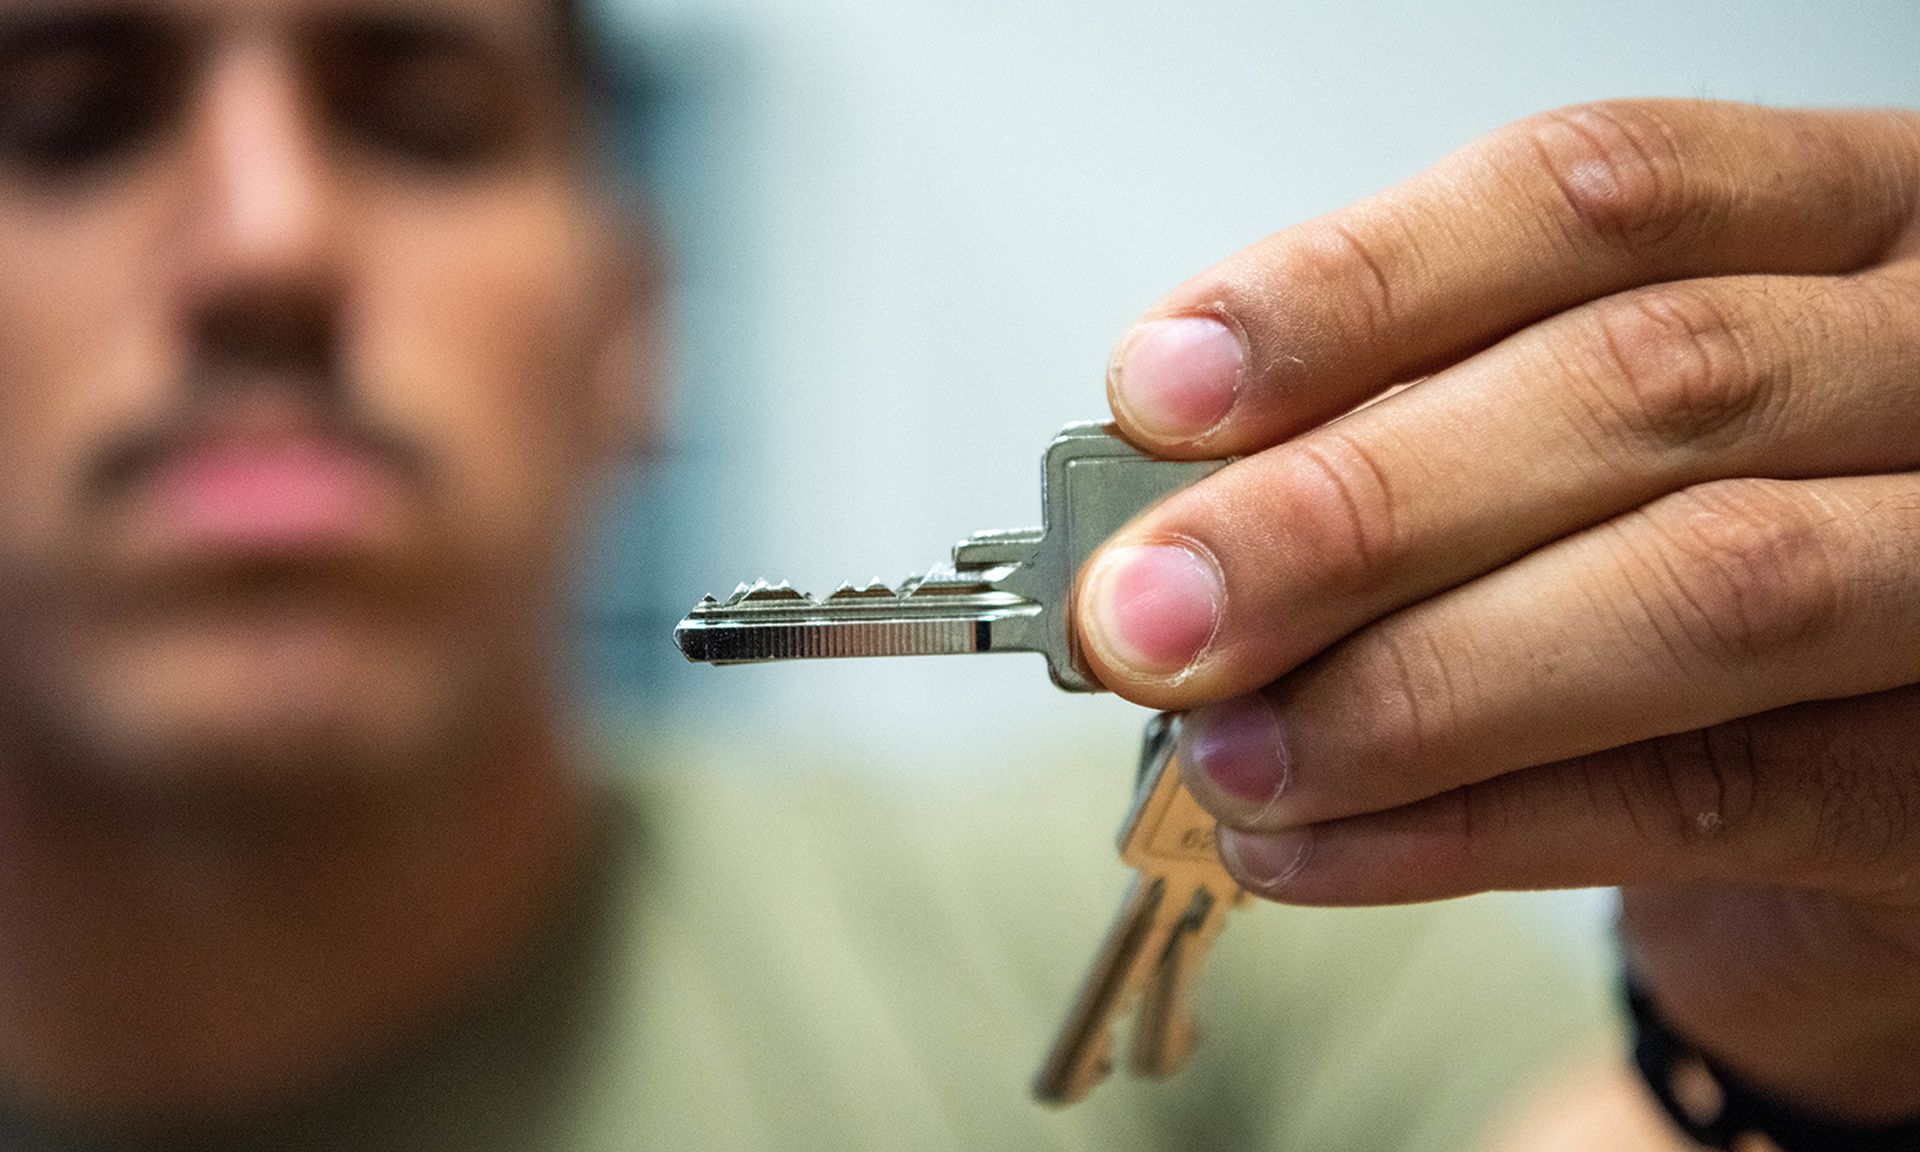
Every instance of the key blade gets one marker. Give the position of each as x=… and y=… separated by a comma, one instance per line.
x=1168, y=834
x=1081, y=1055
x=1164, y=1032
x=1006, y=591
x=1149, y=959
x=943, y=613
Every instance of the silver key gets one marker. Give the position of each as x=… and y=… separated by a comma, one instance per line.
x=1004, y=591
x=1008, y=592
x=1172, y=912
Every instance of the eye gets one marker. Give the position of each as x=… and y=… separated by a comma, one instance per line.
x=79, y=92
x=420, y=95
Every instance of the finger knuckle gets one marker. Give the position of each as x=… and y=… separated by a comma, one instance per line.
x=1411, y=702
x=1863, y=819
x=1676, y=792
x=1677, y=367
x=1498, y=810
x=1705, y=784
x=1902, y=181
x=1749, y=569
x=1620, y=173
x=1863, y=789
x=1783, y=793
x=1884, y=305
x=1344, y=510
x=1352, y=264
x=1629, y=782
x=1907, y=121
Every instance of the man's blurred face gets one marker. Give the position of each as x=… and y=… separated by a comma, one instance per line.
x=305, y=308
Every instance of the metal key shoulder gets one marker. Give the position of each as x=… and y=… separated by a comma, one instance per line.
x=1005, y=591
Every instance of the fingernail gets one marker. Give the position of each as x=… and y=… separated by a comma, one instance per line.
x=1265, y=861
x=1152, y=609
x=1238, y=747
x=1176, y=378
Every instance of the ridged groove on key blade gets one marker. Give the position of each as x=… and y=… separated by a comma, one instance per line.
x=758, y=609
x=749, y=643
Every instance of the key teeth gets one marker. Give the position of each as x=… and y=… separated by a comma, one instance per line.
x=874, y=590
x=944, y=582
x=764, y=592
x=781, y=593
x=743, y=592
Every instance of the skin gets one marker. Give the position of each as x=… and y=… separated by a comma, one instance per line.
x=1621, y=591
x=1600, y=1108
x=232, y=769
x=231, y=774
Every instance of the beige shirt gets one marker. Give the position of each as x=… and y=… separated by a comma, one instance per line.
x=837, y=962
x=824, y=961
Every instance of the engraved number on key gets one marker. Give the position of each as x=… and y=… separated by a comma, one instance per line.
x=1173, y=911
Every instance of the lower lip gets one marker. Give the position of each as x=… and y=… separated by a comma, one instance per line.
x=278, y=497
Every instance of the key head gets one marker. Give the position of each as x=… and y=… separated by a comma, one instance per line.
x=1093, y=482
x=1166, y=831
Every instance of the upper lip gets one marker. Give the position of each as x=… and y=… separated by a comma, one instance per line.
x=258, y=422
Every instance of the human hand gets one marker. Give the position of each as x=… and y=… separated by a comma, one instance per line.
x=1624, y=591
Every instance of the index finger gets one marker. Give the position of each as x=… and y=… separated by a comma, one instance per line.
x=1548, y=213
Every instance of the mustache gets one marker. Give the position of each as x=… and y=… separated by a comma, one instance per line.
x=135, y=454
x=129, y=459
x=265, y=363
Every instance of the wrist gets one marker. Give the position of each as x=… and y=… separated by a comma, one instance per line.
x=1717, y=1109
x=1827, y=1024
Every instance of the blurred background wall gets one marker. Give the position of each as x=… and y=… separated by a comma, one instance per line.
x=905, y=234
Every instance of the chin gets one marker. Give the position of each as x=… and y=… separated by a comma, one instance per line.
x=298, y=705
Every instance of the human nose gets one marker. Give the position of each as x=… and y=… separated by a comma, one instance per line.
x=259, y=211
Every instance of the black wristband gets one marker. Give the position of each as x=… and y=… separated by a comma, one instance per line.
x=1716, y=1109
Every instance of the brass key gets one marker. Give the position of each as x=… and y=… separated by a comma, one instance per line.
x=1172, y=912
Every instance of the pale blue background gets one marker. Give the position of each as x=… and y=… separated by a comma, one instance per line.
x=906, y=233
